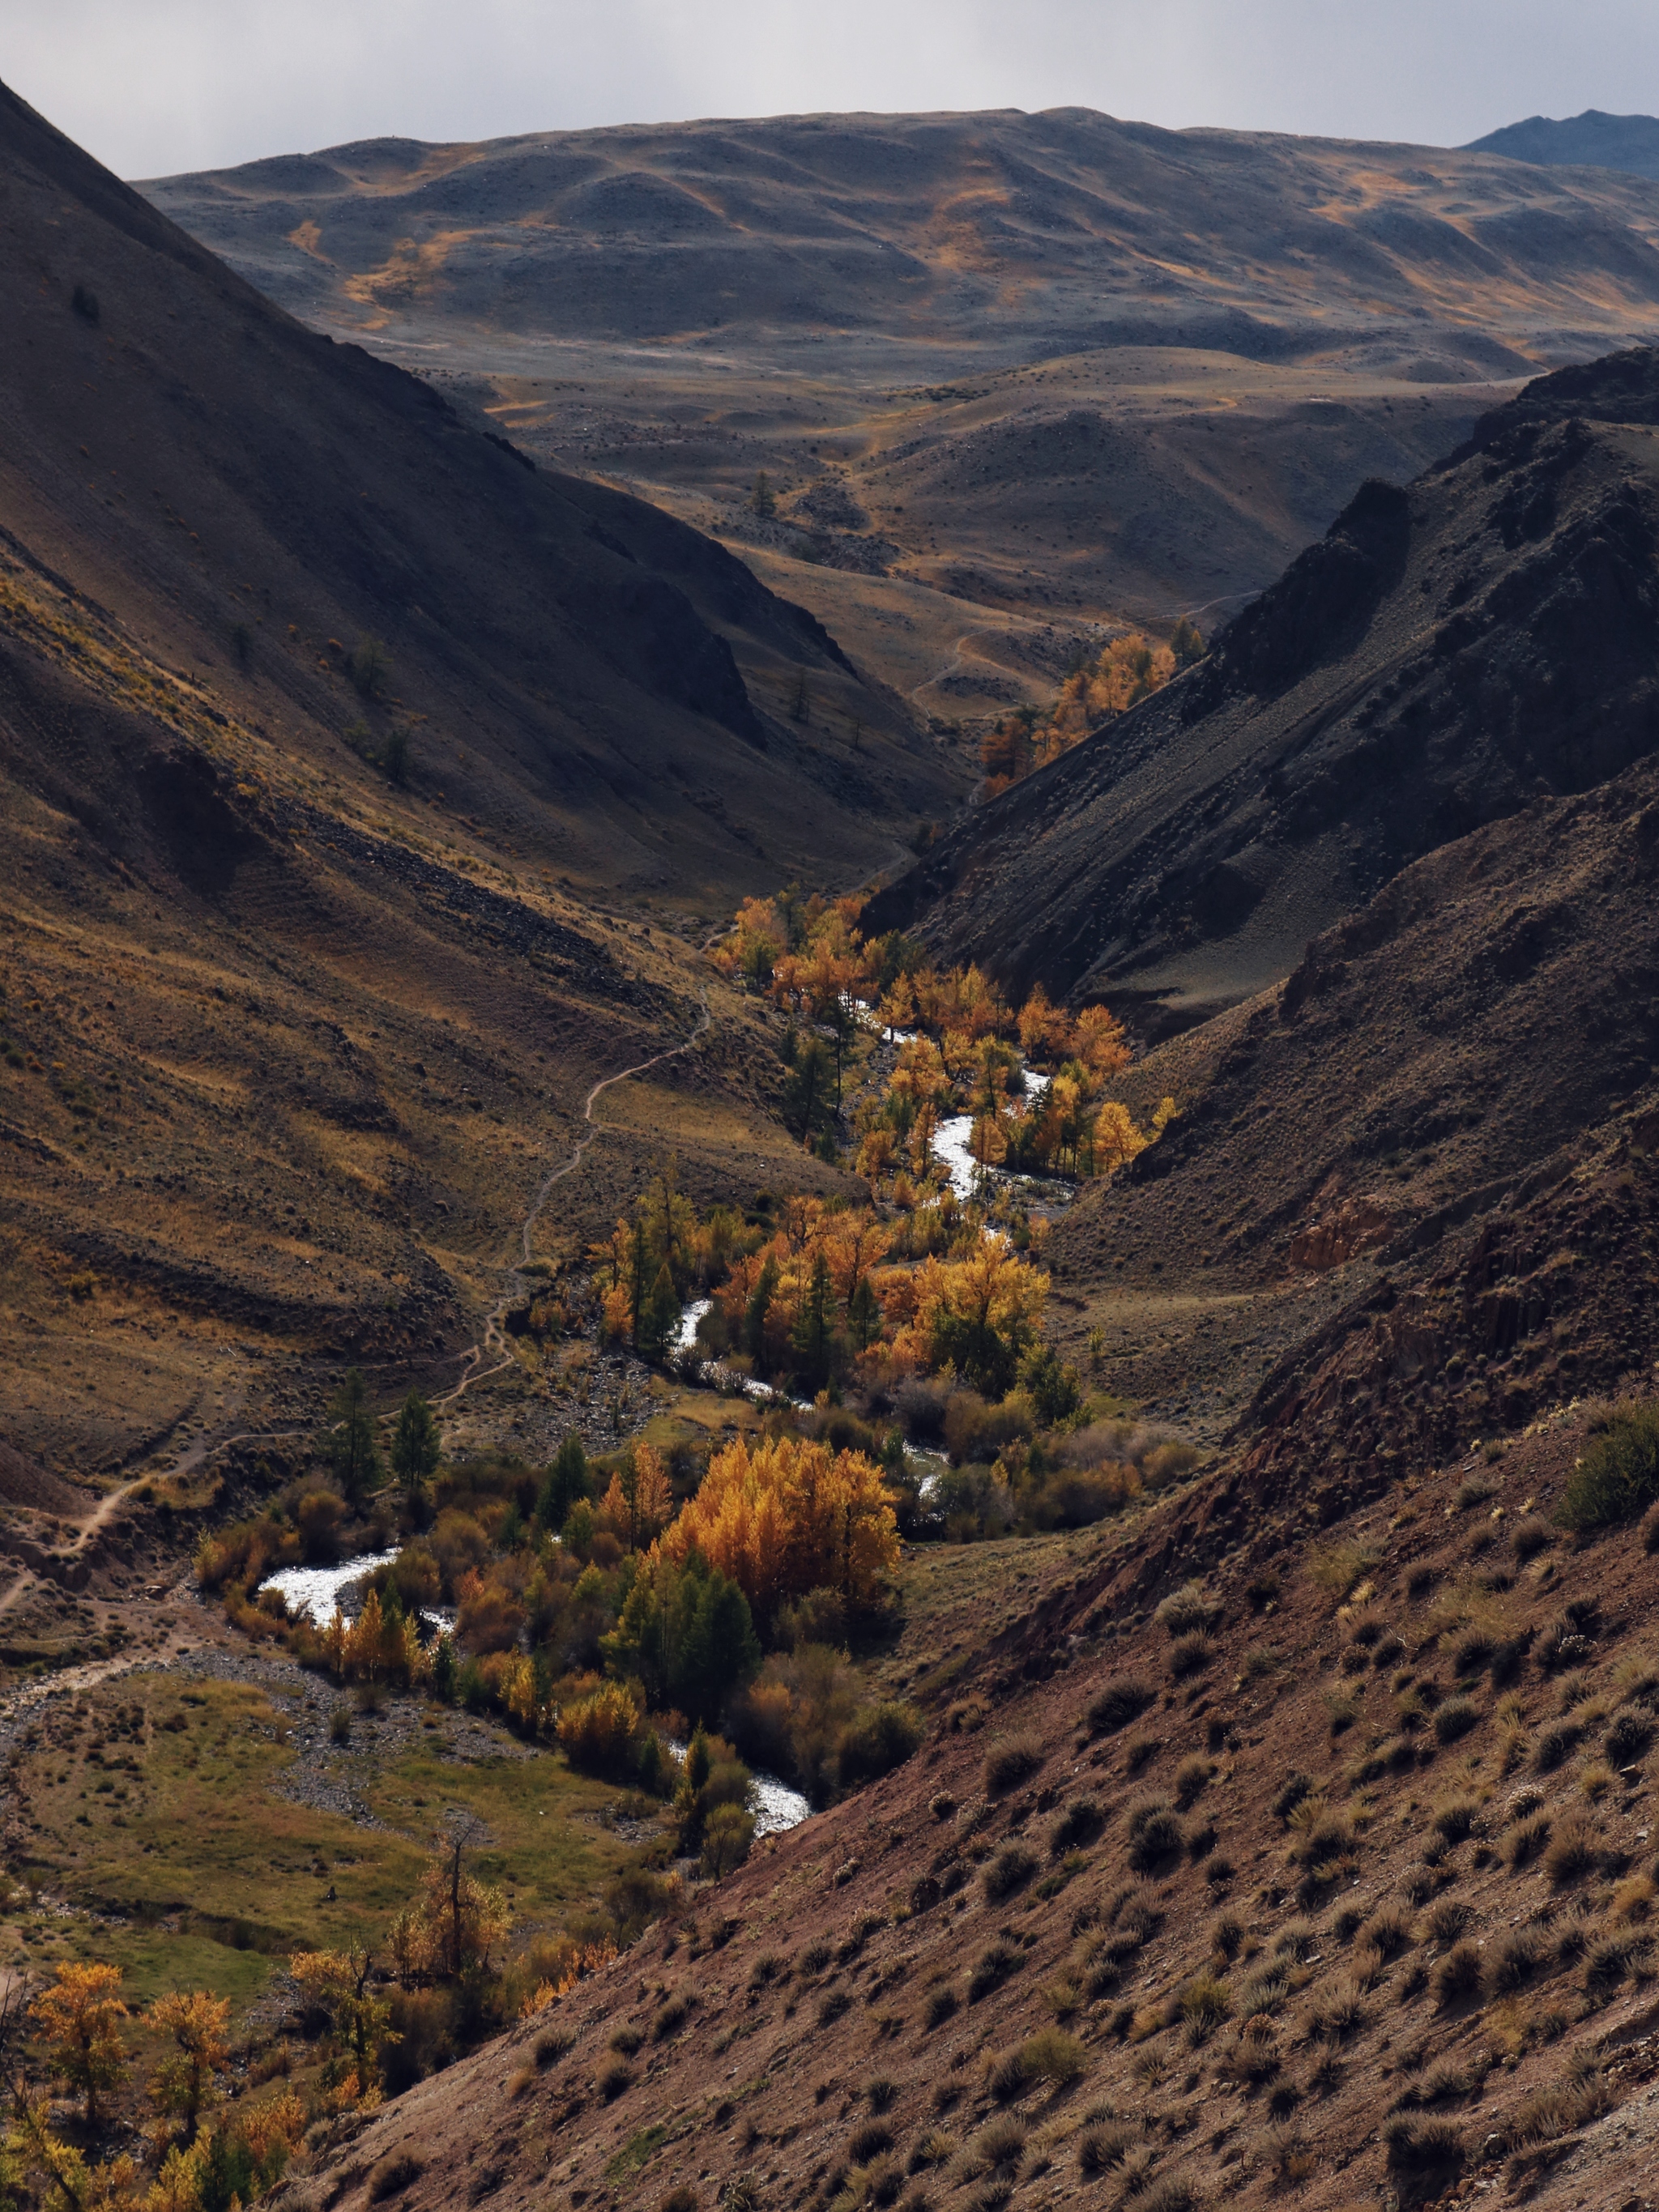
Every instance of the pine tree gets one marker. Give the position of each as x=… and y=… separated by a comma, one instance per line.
x=812, y=1334
x=416, y=1448
x=660, y=1318
x=566, y=1483
x=352, y=1449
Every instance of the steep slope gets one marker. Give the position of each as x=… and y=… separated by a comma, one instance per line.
x=1404, y=1206
x=291, y=1046
x=1447, y=653
x=1592, y=140
x=1060, y=366
x=1201, y=1921
x=248, y=496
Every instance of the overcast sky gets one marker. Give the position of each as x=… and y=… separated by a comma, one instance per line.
x=154, y=87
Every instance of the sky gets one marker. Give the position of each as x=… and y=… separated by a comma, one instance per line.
x=156, y=87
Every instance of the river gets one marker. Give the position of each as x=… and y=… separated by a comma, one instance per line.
x=316, y=1592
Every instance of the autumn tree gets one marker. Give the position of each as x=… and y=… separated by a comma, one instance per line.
x=80, y=2017
x=639, y=1501
x=1045, y=1030
x=185, y=2080
x=453, y=1921
x=789, y=1517
x=339, y=1984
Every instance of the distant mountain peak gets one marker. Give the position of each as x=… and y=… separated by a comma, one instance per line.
x=1594, y=140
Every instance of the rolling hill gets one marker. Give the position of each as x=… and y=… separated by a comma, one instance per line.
x=1012, y=376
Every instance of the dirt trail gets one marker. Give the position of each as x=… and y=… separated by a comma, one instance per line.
x=493, y=1340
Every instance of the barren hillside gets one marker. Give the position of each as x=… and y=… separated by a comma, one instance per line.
x=1005, y=370
x=1446, y=654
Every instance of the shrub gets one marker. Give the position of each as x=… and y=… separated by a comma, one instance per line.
x=598, y=1733
x=1455, y=1818
x=1192, y=1780
x=1295, y=1788
x=1156, y=1836
x=669, y=2019
x=1387, y=1932
x=1514, y=1957
x=1190, y=1654
x=1650, y=1530
x=1458, y=1975
x=1573, y=1850
x=1079, y=1824
x=1616, y=1958
x=728, y=1835
x=1520, y=1844
x=1123, y=1700
x=1103, y=2145
x=614, y=2078
x=941, y=2003
x=1627, y=1739
x=1335, y=2011
x=1618, y=1477
x=1204, y=2004
x=393, y=2175
x=1531, y=1535
x=1186, y=1609
x=1008, y=1763
x=1010, y=1870
x=870, y=2142
x=878, y=1738
x=992, y=1968
x=1447, y=1918
x=1171, y=2192
x=1558, y=1740
x=1421, y=2150
x=1454, y=1718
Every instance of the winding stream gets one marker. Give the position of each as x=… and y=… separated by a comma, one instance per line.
x=316, y=1591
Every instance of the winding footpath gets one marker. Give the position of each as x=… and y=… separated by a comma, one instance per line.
x=493, y=1341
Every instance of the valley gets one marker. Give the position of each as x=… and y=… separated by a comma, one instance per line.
x=987, y=1447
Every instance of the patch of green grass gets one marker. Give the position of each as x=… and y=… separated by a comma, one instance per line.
x=636, y=2152
x=201, y=1832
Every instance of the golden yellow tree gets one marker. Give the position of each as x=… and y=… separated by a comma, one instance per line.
x=1100, y=1043
x=1045, y=1030
x=80, y=2017
x=789, y=1517
x=186, y=2078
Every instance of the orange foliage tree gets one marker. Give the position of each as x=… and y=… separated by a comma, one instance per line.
x=789, y=1517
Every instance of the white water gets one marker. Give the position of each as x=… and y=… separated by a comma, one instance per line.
x=314, y=1592
x=951, y=1139
x=716, y=1372
x=775, y=1806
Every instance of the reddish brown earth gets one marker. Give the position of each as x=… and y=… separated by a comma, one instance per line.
x=773, y=2072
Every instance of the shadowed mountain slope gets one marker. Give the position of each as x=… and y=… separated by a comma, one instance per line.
x=1447, y=653
x=289, y=1043
x=599, y=682
x=1592, y=140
